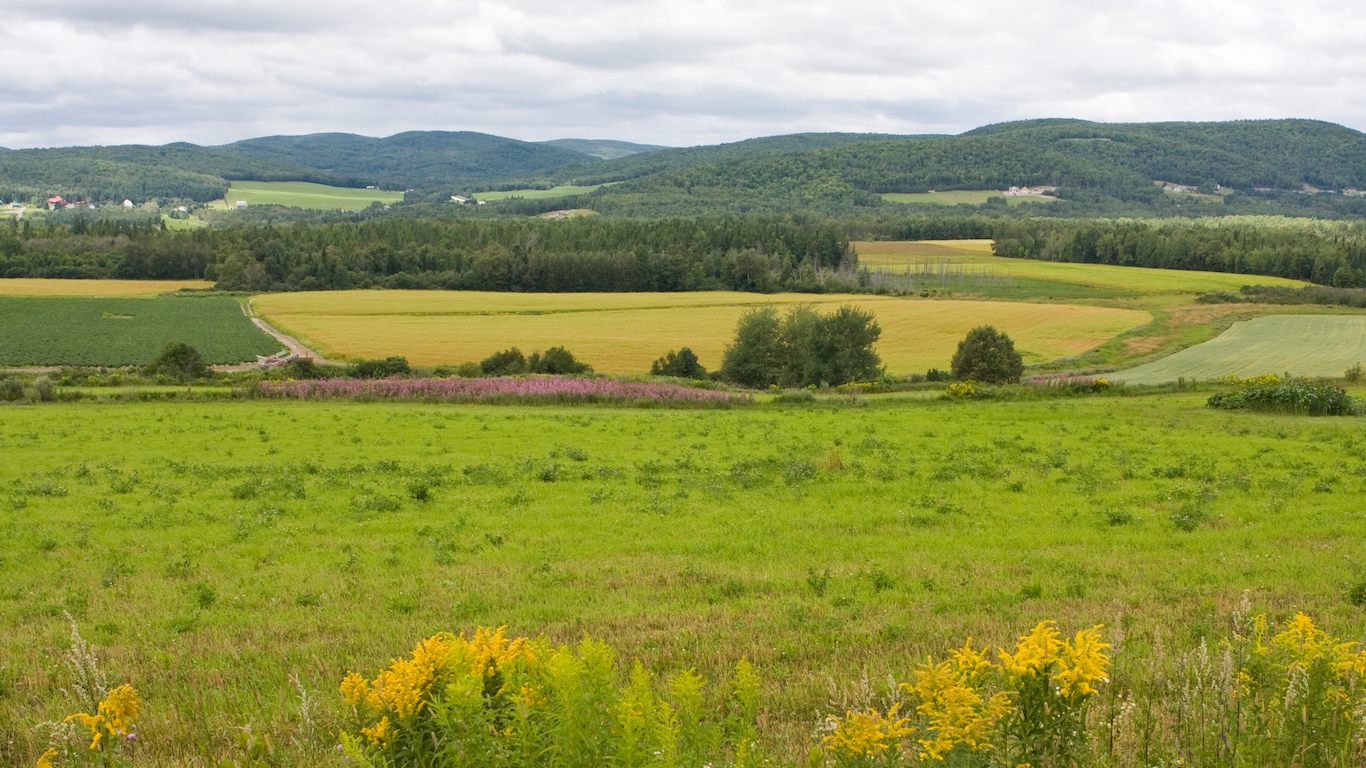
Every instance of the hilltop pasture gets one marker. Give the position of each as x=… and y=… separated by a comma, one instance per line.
x=302, y=194
x=625, y=332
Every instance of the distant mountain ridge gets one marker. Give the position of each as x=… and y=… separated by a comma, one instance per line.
x=775, y=173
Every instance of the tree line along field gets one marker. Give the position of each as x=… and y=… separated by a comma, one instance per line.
x=103, y=331
x=624, y=333
x=225, y=556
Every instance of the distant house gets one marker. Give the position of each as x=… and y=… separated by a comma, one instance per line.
x=53, y=203
x=459, y=199
x=241, y=203
x=127, y=203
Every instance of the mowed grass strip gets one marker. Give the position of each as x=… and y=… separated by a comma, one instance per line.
x=624, y=333
x=976, y=255
x=1303, y=345
x=564, y=190
x=961, y=197
x=302, y=194
x=26, y=286
x=42, y=331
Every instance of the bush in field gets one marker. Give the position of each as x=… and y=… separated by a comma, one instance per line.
x=11, y=389
x=381, y=369
x=1273, y=395
x=489, y=701
x=682, y=364
x=509, y=362
x=178, y=360
x=803, y=348
x=988, y=355
x=556, y=360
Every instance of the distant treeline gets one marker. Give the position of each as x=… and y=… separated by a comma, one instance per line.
x=589, y=254
x=1280, y=294
x=1325, y=253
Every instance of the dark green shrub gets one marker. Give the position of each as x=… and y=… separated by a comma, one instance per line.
x=556, y=360
x=1296, y=396
x=381, y=369
x=988, y=355
x=509, y=362
x=682, y=364
x=11, y=389
x=178, y=360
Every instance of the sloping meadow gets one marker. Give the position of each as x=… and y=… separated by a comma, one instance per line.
x=236, y=559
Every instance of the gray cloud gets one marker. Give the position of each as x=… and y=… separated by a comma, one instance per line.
x=153, y=71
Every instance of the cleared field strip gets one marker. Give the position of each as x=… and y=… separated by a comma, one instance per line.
x=39, y=331
x=624, y=333
x=564, y=190
x=1304, y=345
x=25, y=286
x=976, y=254
x=302, y=194
x=959, y=196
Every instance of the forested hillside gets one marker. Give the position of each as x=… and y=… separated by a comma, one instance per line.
x=604, y=149
x=412, y=158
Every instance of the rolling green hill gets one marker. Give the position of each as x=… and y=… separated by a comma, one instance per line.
x=412, y=158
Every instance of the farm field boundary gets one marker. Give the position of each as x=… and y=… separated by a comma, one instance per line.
x=624, y=333
x=1302, y=345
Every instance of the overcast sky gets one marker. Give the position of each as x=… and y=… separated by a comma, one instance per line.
x=676, y=73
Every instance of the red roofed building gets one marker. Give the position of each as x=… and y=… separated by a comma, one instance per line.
x=55, y=202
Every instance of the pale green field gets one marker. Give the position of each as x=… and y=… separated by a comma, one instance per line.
x=563, y=190
x=301, y=194
x=625, y=332
x=960, y=196
x=976, y=255
x=1303, y=345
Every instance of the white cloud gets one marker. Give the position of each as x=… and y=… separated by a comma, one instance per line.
x=87, y=72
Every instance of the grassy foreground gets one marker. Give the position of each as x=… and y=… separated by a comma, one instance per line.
x=235, y=559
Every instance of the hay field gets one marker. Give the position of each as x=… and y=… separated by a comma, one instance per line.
x=302, y=194
x=624, y=333
x=26, y=286
x=1304, y=345
x=976, y=255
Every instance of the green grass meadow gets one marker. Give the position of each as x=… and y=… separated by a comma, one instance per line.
x=302, y=194
x=563, y=190
x=226, y=556
x=962, y=197
x=43, y=331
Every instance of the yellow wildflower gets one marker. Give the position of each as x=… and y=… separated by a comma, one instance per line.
x=379, y=733
x=46, y=760
x=113, y=716
x=866, y=733
x=1083, y=662
x=354, y=687
x=1034, y=652
x=954, y=705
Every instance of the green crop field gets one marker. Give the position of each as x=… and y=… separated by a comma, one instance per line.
x=1302, y=345
x=975, y=258
x=564, y=190
x=957, y=197
x=302, y=194
x=624, y=332
x=235, y=559
x=124, y=331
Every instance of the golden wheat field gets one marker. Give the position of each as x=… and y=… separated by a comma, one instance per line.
x=25, y=286
x=976, y=255
x=625, y=332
